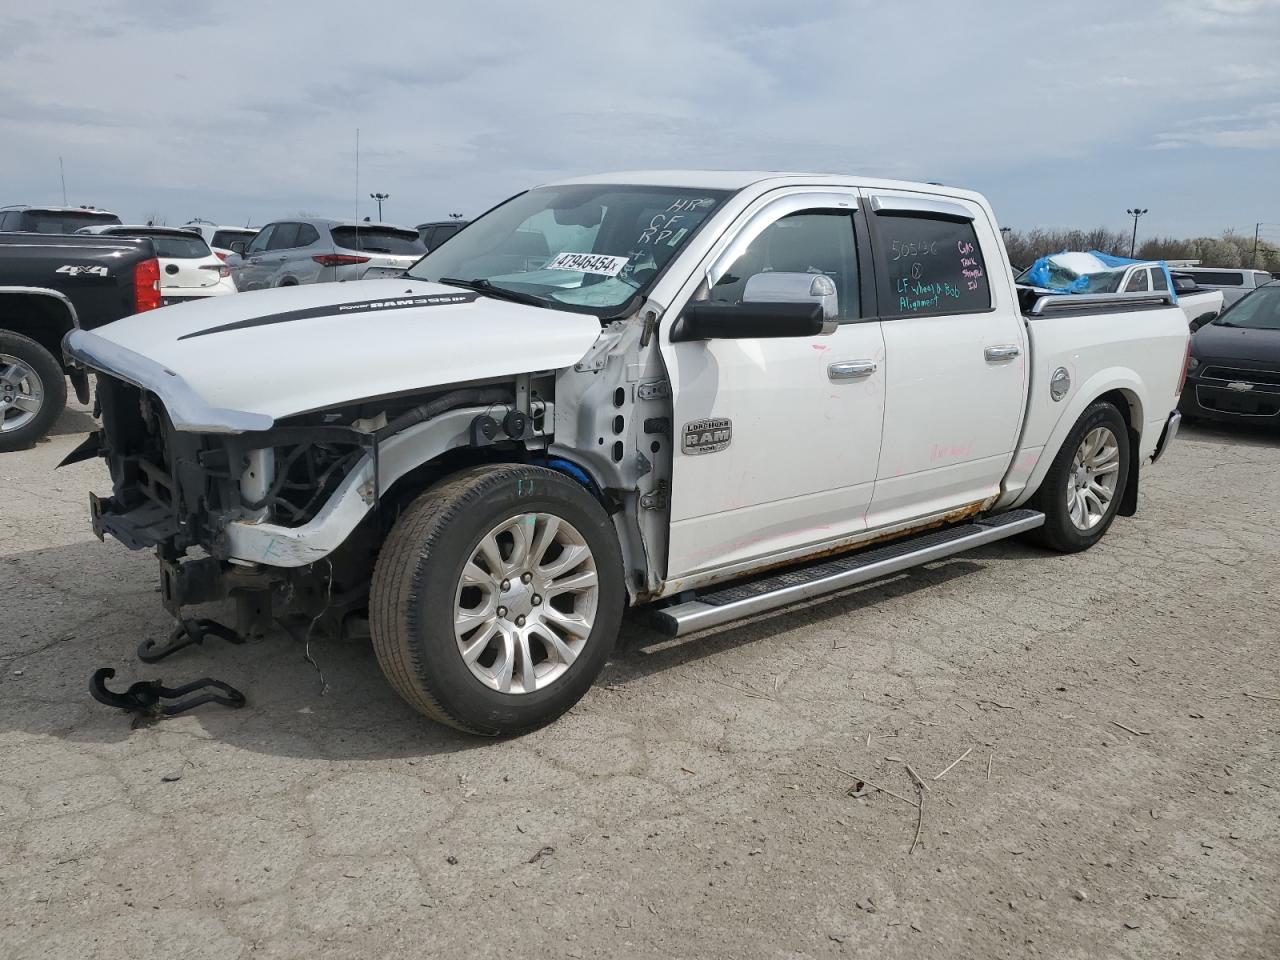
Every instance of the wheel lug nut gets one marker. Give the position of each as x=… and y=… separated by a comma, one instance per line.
x=506, y=585
x=535, y=600
x=519, y=621
x=525, y=578
x=502, y=612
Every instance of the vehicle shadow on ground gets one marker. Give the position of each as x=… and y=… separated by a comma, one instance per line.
x=72, y=422
x=71, y=610
x=1230, y=434
x=328, y=701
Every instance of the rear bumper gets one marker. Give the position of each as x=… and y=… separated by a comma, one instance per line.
x=1167, y=435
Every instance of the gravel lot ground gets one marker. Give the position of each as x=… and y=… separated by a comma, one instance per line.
x=693, y=804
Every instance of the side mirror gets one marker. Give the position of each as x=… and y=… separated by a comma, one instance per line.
x=710, y=320
x=773, y=305
x=1203, y=320
x=778, y=287
x=237, y=246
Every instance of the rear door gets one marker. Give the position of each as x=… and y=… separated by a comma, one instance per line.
x=778, y=439
x=955, y=364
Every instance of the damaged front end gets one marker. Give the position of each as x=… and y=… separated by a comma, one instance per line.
x=184, y=493
x=284, y=517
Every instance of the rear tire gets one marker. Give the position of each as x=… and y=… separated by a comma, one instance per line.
x=459, y=623
x=33, y=391
x=1085, y=484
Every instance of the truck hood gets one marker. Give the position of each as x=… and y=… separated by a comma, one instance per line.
x=241, y=362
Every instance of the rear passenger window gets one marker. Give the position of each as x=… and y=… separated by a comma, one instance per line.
x=306, y=235
x=1158, y=279
x=1137, y=282
x=929, y=265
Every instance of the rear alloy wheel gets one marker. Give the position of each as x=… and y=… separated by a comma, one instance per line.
x=497, y=597
x=1092, y=480
x=1085, y=484
x=33, y=391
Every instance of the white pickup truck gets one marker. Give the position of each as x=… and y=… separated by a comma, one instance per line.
x=712, y=393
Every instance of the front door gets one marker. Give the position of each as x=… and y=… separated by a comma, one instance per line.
x=252, y=271
x=776, y=440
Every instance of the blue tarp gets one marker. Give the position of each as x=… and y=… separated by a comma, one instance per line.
x=1073, y=272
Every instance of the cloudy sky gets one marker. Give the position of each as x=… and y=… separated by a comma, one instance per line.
x=247, y=110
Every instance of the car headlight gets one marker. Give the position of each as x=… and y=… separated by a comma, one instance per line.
x=1192, y=363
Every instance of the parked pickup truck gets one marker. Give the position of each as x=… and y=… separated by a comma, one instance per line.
x=715, y=390
x=50, y=284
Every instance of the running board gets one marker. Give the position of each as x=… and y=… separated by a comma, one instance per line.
x=792, y=586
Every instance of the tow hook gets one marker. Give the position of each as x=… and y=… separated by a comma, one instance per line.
x=188, y=631
x=144, y=697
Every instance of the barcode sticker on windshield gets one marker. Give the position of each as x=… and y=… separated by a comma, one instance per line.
x=596, y=263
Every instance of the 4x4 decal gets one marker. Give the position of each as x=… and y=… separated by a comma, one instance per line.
x=75, y=270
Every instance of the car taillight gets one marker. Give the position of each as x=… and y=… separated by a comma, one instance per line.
x=338, y=259
x=1186, y=365
x=220, y=255
x=146, y=285
x=222, y=268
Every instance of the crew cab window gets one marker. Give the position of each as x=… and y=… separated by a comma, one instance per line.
x=929, y=265
x=1159, y=281
x=173, y=246
x=9, y=221
x=811, y=241
x=262, y=239
x=284, y=237
x=1219, y=278
x=1137, y=282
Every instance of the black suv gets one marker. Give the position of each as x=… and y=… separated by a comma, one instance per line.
x=26, y=219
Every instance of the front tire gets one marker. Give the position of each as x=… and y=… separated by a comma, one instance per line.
x=33, y=391
x=497, y=598
x=1086, y=482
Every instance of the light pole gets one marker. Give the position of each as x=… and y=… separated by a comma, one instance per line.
x=1135, y=212
x=379, y=197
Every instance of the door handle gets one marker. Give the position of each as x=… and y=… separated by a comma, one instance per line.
x=1006, y=351
x=851, y=369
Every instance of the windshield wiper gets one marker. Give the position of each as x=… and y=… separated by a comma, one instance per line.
x=481, y=285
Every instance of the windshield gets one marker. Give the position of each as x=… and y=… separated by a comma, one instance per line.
x=379, y=240
x=1260, y=310
x=586, y=246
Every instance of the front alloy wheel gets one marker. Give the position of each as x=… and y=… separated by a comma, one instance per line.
x=21, y=393
x=497, y=597
x=526, y=603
